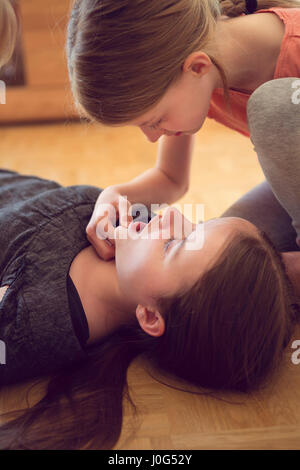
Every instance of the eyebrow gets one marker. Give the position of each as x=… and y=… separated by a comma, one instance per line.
x=152, y=122
x=149, y=123
x=179, y=246
x=260, y=232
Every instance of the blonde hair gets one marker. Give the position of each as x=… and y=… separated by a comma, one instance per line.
x=123, y=55
x=8, y=31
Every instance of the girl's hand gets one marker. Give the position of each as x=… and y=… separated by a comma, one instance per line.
x=109, y=207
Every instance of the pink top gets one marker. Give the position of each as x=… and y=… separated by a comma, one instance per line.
x=288, y=65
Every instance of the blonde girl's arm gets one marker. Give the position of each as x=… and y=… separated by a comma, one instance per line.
x=8, y=31
x=168, y=181
x=163, y=184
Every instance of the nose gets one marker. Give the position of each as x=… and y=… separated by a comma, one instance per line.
x=178, y=225
x=171, y=224
x=153, y=135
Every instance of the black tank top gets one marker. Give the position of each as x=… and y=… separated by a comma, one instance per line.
x=78, y=316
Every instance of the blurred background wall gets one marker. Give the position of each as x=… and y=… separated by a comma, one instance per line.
x=37, y=77
x=41, y=135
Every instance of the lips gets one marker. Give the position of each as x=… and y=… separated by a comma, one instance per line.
x=135, y=227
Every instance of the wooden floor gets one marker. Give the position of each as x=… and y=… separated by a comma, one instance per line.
x=224, y=167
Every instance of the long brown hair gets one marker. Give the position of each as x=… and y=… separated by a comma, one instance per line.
x=227, y=332
x=124, y=55
x=8, y=31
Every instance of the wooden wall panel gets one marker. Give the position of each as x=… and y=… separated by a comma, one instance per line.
x=45, y=58
x=46, y=94
x=43, y=15
x=38, y=104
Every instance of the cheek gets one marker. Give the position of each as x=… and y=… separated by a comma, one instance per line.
x=203, y=106
x=130, y=265
x=137, y=265
x=199, y=114
x=195, y=111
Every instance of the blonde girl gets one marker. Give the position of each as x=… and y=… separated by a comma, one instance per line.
x=8, y=31
x=165, y=66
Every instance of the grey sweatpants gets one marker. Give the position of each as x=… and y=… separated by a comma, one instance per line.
x=273, y=112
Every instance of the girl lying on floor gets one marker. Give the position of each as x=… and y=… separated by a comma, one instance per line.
x=217, y=317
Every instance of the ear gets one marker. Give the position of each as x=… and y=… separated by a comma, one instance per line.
x=150, y=320
x=198, y=62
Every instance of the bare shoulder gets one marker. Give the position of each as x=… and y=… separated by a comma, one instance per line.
x=260, y=38
x=265, y=28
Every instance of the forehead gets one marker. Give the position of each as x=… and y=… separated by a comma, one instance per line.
x=204, y=251
x=187, y=262
x=244, y=224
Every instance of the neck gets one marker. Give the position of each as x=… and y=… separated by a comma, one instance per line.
x=96, y=281
x=229, y=50
x=248, y=48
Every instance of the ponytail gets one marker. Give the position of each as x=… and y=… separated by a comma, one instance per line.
x=83, y=404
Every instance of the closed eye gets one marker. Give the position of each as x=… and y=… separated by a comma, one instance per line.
x=153, y=126
x=168, y=243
